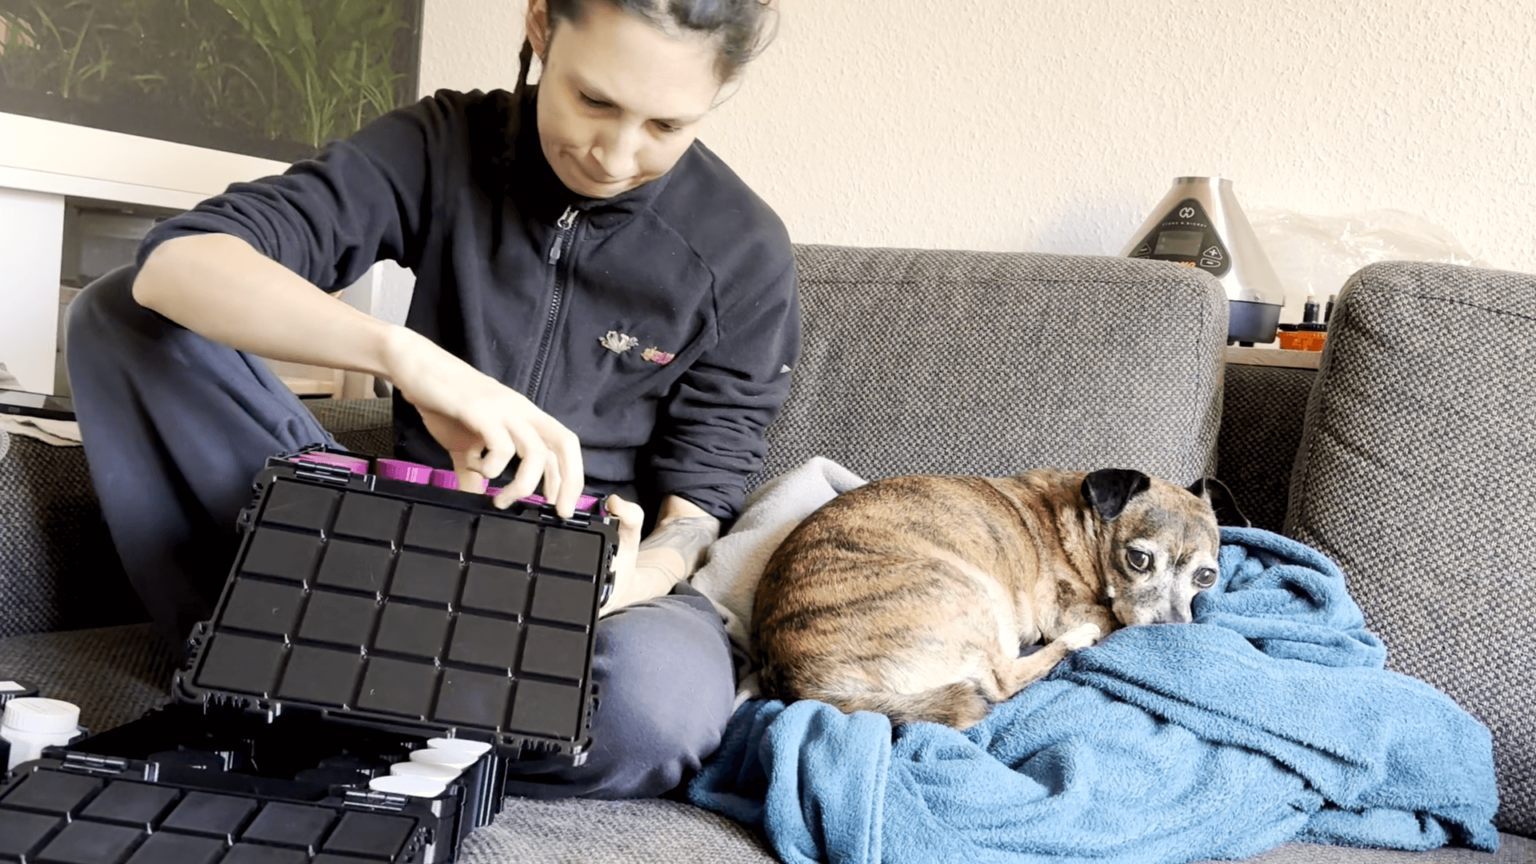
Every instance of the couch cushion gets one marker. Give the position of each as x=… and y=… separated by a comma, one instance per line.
x=58, y=568
x=611, y=832
x=114, y=674
x=1512, y=850
x=1415, y=475
x=991, y=363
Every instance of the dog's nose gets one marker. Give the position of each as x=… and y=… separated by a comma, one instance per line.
x=1175, y=615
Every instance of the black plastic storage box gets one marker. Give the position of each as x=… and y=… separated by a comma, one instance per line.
x=409, y=607
x=362, y=618
x=230, y=790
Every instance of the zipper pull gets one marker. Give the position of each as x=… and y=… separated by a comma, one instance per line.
x=564, y=224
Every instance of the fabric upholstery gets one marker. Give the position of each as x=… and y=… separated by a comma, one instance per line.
x=612, y=832
x=1512, y=850
x=1418, y=454
x=363, y=426
x=1261, y=415
x=980, y=363
x=114, y=674
x=50, y=523
x=58, y=569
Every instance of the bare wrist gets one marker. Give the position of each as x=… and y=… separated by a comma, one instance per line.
x=400, y=351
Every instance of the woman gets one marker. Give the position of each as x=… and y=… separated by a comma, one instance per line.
x=600, y=303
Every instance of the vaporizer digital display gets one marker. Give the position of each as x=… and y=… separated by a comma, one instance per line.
x=1179, y=243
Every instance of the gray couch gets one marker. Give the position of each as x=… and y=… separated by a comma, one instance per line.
x=1409, y=457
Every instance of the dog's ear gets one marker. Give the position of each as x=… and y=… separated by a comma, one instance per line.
x=1108, y=490
x=1222, y=502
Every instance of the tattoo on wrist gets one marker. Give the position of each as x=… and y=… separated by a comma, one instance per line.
x=688, y=537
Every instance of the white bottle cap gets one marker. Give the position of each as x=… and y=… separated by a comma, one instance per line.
x=446, y=773
x=456, y=758
x=404, y=784
x=467, y=745
x=38, y=716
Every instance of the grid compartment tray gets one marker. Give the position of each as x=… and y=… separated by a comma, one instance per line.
x=189, y=806
x=58, y=814
x=408, y=607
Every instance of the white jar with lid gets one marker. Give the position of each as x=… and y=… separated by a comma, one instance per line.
x=32, y=723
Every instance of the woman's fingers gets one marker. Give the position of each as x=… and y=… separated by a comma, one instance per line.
x=484, y=442
x=469, y=478
x=496, y=449
x=631, y=517
x=551, y=485
x=530, y=470
x=569, y=467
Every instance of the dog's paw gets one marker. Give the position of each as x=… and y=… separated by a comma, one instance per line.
x=1081, y=636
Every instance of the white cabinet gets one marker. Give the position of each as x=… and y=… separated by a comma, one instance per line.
x=31, y=249
x=47, y=167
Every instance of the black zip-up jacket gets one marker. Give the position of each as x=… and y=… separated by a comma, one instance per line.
x=525, y=280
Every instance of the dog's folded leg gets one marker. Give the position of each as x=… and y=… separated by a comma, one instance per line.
x=1019, y=672
x=1081, y=636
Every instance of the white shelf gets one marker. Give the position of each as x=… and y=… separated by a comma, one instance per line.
x=1279, y=357
x=65, y=159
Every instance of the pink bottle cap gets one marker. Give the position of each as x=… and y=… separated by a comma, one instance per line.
x=354, y=464
x=399, y=469
x=448, y=480
x=583, y=502
x=413, y=472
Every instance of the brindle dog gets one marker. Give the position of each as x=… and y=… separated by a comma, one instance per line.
x=912, y=596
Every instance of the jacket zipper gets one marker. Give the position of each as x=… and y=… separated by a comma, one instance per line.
x=565, y=231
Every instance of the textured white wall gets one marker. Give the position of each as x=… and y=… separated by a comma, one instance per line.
x=1032, y=126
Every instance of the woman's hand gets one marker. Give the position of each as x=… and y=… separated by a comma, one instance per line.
x=483, y=423
x=221, y=287
x=672, y=553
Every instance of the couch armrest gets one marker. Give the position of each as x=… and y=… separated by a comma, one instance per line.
x=1417, y=474
x=993, y=363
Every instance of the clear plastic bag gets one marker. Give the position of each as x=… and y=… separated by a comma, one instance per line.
x=1315, y=255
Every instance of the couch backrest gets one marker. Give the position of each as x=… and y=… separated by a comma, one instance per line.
x=1417, y=474
x=992, y=363
x=1262, y=408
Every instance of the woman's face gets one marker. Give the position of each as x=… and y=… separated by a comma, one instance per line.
x=620, y=101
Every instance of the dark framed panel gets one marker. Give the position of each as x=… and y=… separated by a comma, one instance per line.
x=270, y=78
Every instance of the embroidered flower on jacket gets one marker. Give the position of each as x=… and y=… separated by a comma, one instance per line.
x=618, y=342
x=658, y=356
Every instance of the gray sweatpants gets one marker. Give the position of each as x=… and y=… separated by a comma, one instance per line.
x=175, y=428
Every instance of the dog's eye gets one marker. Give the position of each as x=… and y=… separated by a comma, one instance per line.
x=1138, y=559
x=1205, y=577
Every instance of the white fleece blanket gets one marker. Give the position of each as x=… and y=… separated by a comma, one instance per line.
x=736, y=561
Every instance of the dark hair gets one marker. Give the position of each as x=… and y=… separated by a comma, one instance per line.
x=742, y=28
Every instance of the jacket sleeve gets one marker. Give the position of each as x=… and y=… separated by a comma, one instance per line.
x=330, y=218
x=712, y=436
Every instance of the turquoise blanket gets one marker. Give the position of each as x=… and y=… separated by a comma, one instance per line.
x=1267, y=720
